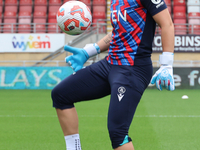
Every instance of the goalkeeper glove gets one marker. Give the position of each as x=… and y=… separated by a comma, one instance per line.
x=80, y=55
x=164, y=75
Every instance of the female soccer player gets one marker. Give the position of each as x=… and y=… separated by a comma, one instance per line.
x=124, y=74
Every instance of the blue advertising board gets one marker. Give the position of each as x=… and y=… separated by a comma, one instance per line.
x=32, y=77
x=49, y=77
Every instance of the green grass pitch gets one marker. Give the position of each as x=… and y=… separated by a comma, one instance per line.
x=163, y=121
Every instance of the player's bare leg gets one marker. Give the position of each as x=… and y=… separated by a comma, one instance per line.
x=68, y=119
x=127, y=146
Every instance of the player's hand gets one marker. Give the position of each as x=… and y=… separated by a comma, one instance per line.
x=164, y=78
x=79, y=57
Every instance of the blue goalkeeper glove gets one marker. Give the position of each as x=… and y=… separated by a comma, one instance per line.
x=80, y=55
x=164, y=75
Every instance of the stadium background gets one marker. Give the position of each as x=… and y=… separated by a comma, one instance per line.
x=32, y=63
x=29, y=38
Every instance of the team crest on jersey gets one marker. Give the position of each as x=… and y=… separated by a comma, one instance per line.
x=121, y=91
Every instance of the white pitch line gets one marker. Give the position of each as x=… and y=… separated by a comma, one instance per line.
x=26, y=116
x=100, y=116
x=168, y=116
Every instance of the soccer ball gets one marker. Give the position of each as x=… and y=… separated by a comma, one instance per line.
x=74, y=17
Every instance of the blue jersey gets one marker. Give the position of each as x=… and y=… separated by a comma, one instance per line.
x=133, y=31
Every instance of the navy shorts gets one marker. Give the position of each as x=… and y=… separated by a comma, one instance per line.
x=126, y=85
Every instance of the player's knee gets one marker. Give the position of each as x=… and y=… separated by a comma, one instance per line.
x=54, y=94
x=60, y=99
x=118, y=137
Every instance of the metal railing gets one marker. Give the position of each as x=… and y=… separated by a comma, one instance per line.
x=40, y=27
x=29, y=28
x=57, y=63
x=73, y=42
x=96, y=28
x=180, y=63
x=183, y=28
x=180, y=28
x=30, y=63
x=27, y=63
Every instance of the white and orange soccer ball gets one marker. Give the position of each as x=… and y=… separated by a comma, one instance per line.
x=74, y=17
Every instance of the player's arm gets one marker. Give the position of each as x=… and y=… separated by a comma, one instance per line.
x=164, y=21
x=81, y=55
x=104, y=43
x=164, y=75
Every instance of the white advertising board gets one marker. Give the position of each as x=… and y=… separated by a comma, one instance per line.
x=31, y=42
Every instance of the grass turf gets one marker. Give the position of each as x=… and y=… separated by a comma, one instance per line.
x=163, y=121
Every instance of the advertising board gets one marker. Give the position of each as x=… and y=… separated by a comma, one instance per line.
x=182, y=43
x=31, y=42
x=49, y=77
x=32, y=77
x=185, y=78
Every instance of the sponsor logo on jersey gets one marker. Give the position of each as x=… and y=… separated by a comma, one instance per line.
x=121, y=91
x=158, y=3
x=118, y=14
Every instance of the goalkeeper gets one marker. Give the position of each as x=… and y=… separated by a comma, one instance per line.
x=124, y=74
